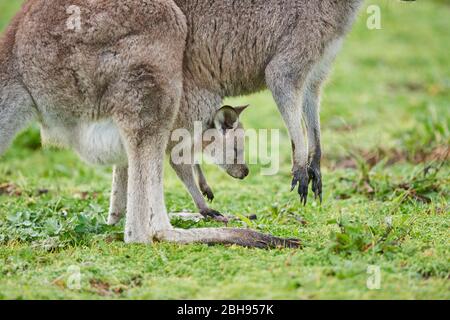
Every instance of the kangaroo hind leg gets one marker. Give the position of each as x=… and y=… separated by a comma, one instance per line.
x=227, y=236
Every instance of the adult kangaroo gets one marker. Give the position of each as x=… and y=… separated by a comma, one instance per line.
x=147, y=66
x=240, y=47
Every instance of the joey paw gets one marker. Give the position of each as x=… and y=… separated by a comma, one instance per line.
x=214, y=215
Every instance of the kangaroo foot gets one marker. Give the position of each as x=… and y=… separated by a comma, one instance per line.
x=227, y=236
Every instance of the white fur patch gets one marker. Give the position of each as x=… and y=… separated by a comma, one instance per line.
x=97, y=143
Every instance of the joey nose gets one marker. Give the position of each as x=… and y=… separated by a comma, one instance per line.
x=245, y=173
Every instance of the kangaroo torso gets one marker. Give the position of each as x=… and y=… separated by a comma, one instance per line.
x=231, y=42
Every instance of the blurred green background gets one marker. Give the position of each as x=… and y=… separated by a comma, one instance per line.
x=385, y=120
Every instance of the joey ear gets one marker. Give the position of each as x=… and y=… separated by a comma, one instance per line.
x=241, y=109
x=226, y=118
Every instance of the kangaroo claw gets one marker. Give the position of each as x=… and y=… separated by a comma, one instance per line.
x=214, y=215
x=301, y=179
x=316, y=178
x=208, y=194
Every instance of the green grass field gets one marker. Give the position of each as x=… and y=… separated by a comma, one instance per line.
x=385, y=118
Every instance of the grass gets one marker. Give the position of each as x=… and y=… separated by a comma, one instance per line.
x=386, y=118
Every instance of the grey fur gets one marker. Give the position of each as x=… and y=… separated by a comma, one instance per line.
x=149, y=66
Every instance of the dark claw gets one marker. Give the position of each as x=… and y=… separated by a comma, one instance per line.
x=302, y=179
x=214, y=215
x=316, y=178
x=207, y=192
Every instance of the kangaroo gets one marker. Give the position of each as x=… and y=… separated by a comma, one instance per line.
x=237, y=47
x=240, y=47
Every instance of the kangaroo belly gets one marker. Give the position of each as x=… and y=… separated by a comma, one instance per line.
x=97, y=143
